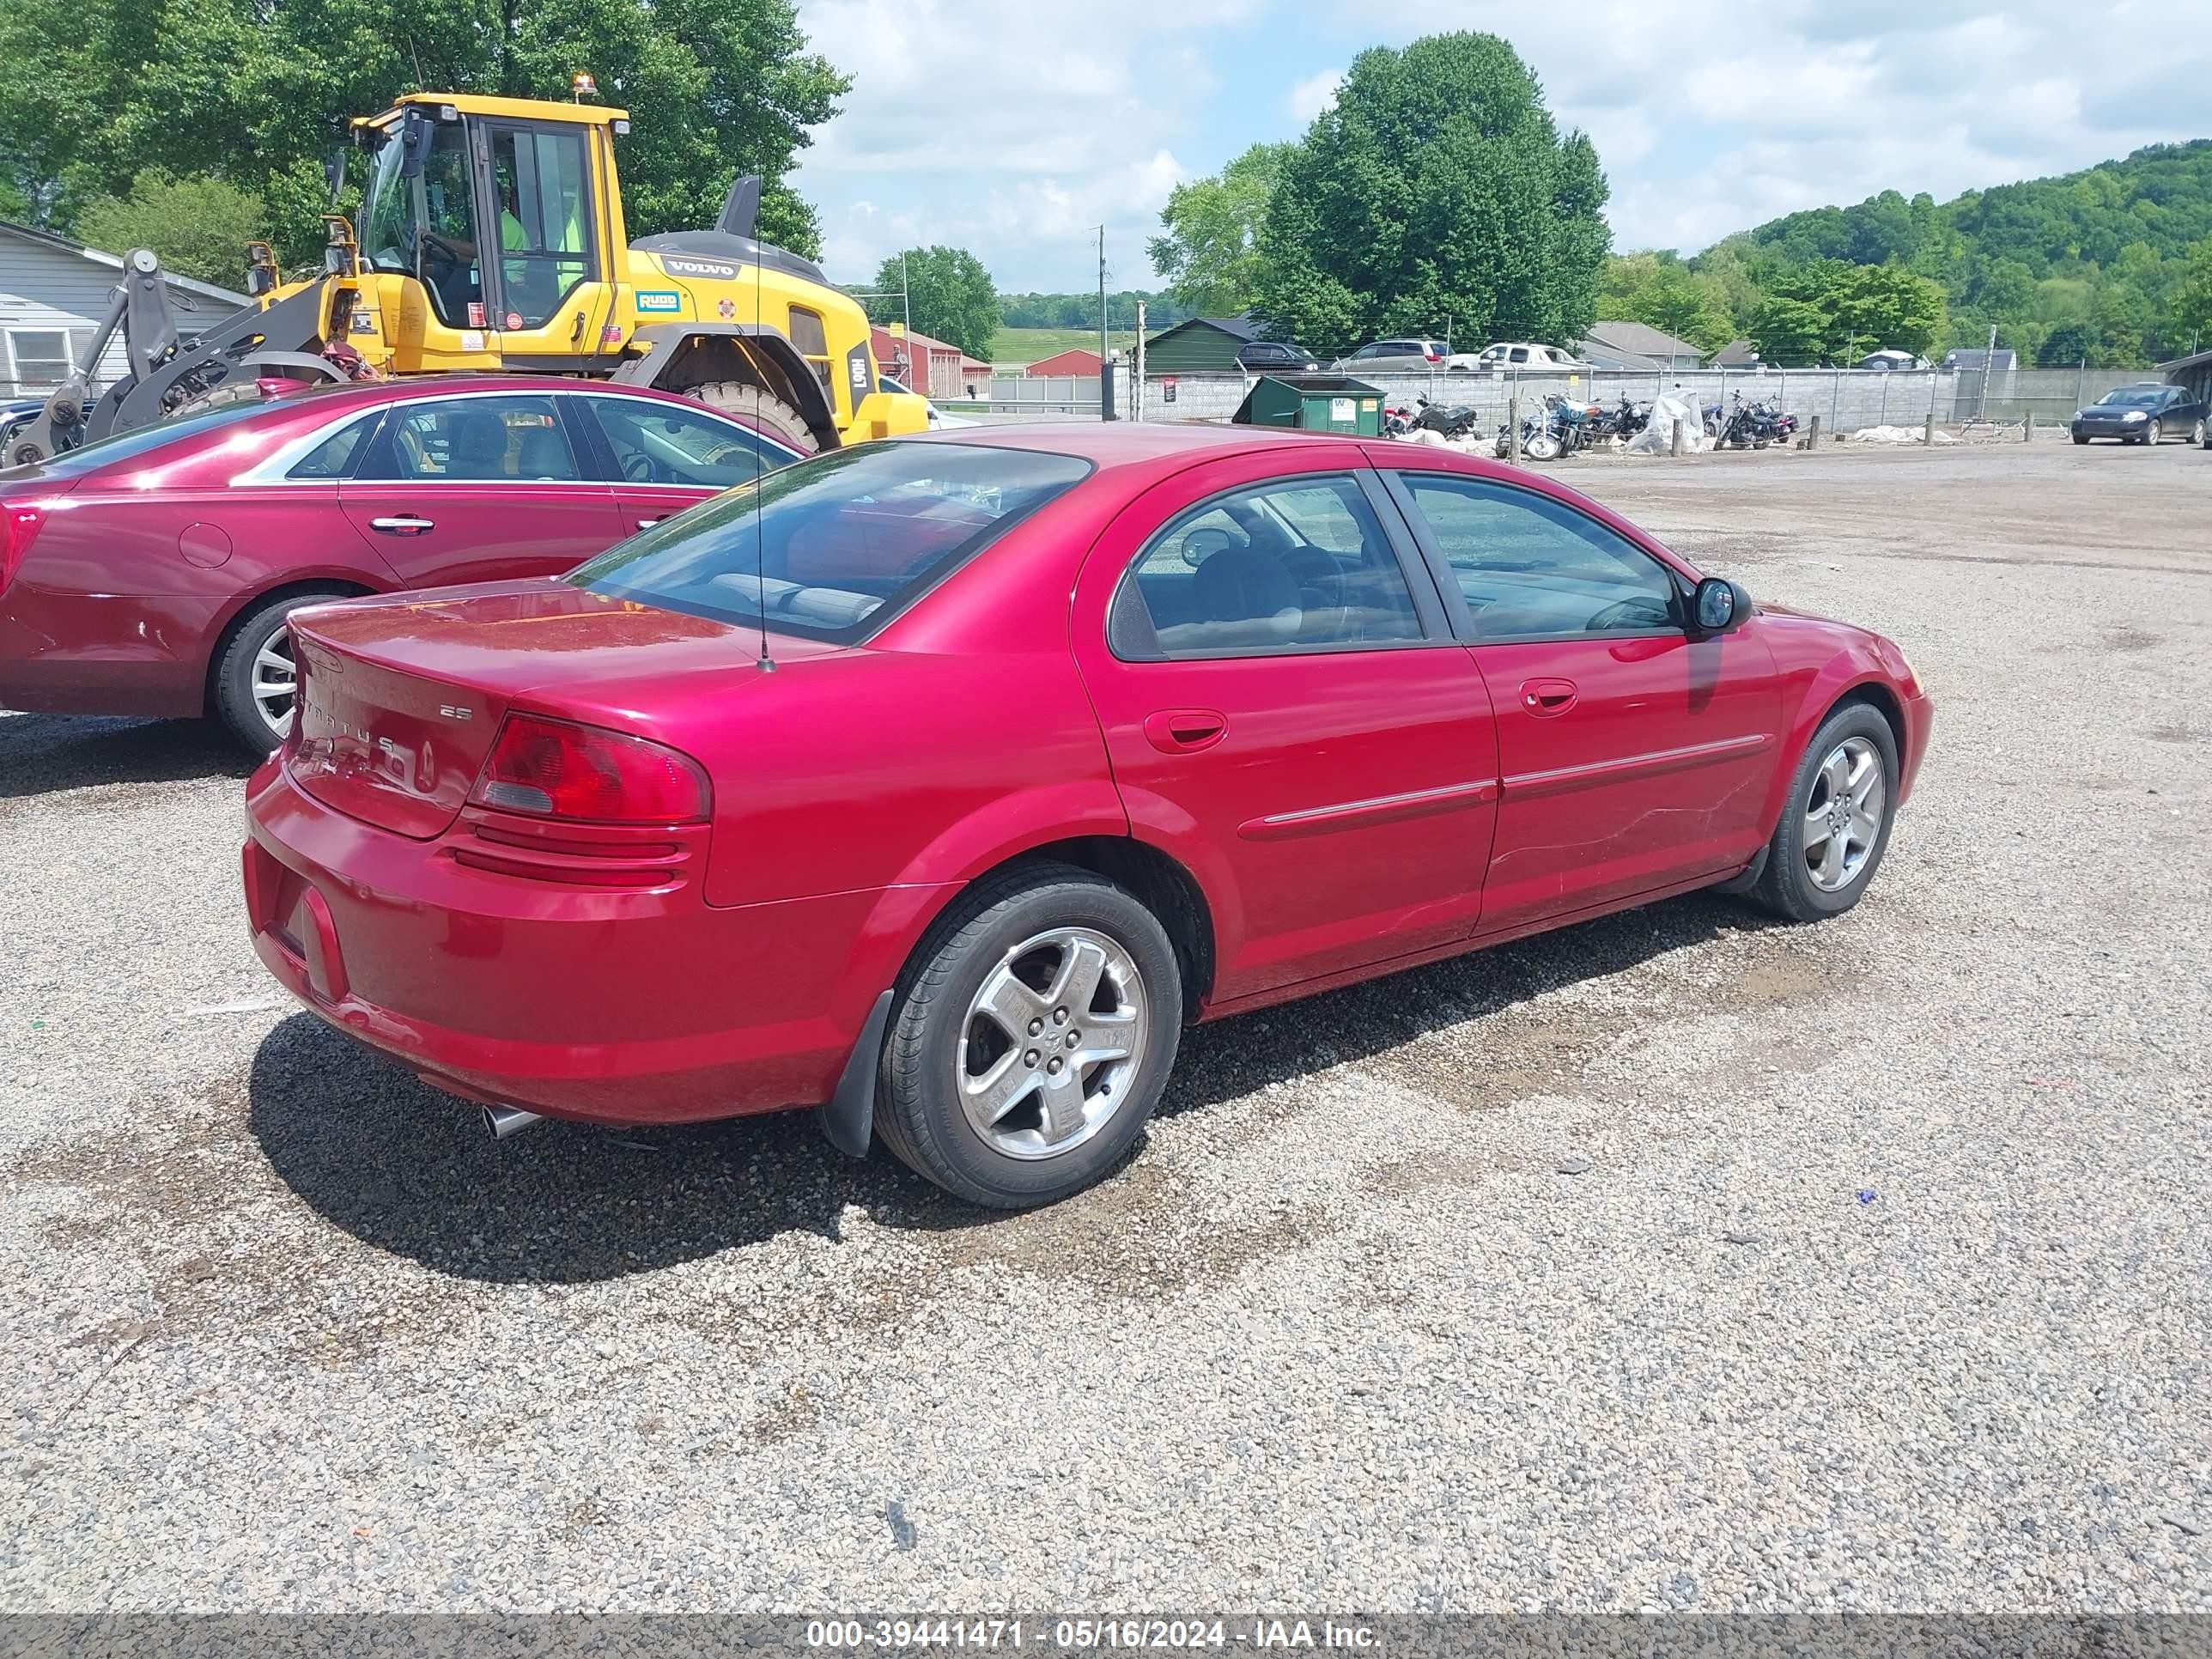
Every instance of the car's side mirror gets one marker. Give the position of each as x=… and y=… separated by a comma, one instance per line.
x=1718, y=605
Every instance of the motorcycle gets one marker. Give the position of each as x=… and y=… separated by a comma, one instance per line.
x=1447, y=421
x=1750, y=425
x=1553, y=431
x=1617, y=424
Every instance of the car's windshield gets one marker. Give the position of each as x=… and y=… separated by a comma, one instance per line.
x=145, y=440
x=2134, y=397
x=833, y=547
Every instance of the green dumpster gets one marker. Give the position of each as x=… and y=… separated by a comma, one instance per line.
x=1319, y=403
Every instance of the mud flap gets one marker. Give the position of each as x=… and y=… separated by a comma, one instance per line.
x=848, y=1119
x=1747, y=878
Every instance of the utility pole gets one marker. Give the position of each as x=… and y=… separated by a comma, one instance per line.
x=1105, y=362
x=1137, y=379
x=1989, y=367
x=906, y=304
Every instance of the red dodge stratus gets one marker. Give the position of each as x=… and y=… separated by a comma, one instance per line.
x=940, y=783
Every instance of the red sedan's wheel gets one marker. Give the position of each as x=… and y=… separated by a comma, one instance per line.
x=1835, y=820
x=1031, y=1042
x=255, y=680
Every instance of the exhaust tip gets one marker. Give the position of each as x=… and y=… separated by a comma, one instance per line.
x=505, y=1121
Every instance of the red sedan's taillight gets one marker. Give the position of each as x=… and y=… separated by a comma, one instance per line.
x=19, y=524
x=551, y=768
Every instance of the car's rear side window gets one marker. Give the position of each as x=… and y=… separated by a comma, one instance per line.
x=333, y=458
x=833, y=547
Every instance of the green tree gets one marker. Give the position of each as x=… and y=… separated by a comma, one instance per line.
x=1659, y=290
x=1789, y=333
x=96, y=91
x=949, y=293
x=199, y=226
x=1210, y=251
x=2192, y=295
x=2067, y=345
x=1436, y=189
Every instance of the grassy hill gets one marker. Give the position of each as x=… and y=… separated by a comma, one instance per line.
x=1030, y=345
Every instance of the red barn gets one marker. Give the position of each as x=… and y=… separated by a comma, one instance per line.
x=1077, y=362
x=920, y=363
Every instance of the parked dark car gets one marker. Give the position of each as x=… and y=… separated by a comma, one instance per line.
x=153, y=573
x=1277, y=357
x=2147, y=412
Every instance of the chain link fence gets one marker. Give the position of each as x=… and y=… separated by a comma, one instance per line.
x=1846, y=399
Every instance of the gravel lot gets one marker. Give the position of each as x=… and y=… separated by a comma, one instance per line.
x=1884, y=1285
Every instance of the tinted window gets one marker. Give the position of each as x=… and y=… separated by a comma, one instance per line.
x=1531, y=567
x=836, y=546
x=2134, y=397
x=333, y=458
x=476, y=441
x=668, y=444
x=1298, y=564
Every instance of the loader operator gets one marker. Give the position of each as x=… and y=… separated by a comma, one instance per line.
x=535, y=278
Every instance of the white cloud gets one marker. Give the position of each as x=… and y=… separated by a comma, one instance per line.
x=1012, y=128
x=1314, y=95
x=1009, y=128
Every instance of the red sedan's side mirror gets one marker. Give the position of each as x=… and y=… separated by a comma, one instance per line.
x=1719, y=605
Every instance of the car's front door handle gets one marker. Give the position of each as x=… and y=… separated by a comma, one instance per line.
x=1186, y=730
x=404, y=523
x=647, y=524
x=1547, y=696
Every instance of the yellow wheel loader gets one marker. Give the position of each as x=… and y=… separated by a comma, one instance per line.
x=491, y=238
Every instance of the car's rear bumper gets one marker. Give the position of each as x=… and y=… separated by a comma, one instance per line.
x=629, y=1005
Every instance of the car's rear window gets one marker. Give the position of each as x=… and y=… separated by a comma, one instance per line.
x=145, y=440
x=833, y=547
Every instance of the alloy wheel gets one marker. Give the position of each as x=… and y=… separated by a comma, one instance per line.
x=276, y=682
x=1843, y=814
x=2152, y=433
x=1052, y=1042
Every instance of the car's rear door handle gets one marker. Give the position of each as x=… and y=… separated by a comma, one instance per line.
x=1547, y=696
x=1186, y=730
x=404, y=523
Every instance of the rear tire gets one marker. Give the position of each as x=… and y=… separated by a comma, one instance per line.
x=992, y=1087
x=255, y=664
x=763, y=409
x=1812, y=871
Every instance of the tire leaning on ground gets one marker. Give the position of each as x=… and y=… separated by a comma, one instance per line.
x=1835, y=820
x=1030, y=1037
x=252, y=687
x=763, y=408
x=2196, y=436
x=2153, y=433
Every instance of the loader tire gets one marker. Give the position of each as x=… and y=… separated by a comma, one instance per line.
x=760, y=408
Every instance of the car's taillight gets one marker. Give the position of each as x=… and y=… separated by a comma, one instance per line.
x=551, y=768
x=19, y=523
x=1433, y=355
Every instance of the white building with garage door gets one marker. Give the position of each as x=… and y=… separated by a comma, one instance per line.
x=53, y=294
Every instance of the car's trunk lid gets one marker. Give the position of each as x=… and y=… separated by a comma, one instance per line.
x=401, y=698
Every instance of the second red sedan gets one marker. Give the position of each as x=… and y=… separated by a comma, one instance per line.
x=152, y=575
x=940, y=781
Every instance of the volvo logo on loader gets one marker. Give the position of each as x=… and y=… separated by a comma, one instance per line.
x=711, y=269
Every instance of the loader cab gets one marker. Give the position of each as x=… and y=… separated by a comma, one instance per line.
x=496, y=215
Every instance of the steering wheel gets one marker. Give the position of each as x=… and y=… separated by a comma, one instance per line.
x=638, y=467
x=1202, y=544
x=438, y=252
x=1624, y=613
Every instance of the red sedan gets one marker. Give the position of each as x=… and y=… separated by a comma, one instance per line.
x=940, y=783
x=152, y=575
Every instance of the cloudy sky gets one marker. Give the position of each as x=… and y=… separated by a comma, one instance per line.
x=1013, y=127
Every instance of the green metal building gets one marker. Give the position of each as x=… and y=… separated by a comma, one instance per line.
x=1199, y=345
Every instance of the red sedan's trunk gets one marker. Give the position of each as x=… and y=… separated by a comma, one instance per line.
x=402, y=698
x=394, y=748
